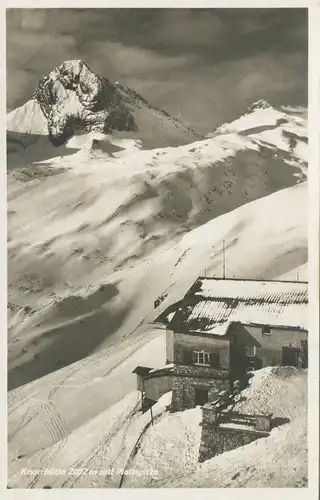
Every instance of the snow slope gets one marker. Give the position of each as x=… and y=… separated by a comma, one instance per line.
x=95, y=223
x=272, y=238
x=28, y=119
x=53, y=407
x=102, y=444
x=168, y=449
x=81, y=225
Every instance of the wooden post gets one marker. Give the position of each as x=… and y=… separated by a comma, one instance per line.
x=142, y=393
x=151, y=415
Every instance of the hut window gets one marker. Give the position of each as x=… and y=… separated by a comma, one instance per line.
x=250, y=350
x=201, y=358
x=266, y=330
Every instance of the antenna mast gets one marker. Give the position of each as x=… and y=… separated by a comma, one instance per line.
x=224, y=259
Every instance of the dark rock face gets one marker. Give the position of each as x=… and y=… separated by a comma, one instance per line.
x=74, y=99
x=261, y=104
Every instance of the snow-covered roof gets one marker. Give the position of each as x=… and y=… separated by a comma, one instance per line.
x=165, y=369
x=213, y=303
x=142, y=370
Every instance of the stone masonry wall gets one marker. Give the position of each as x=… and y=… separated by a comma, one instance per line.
x=216, y=440
x=187, y=378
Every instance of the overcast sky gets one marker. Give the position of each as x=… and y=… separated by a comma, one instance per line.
x=208, y=64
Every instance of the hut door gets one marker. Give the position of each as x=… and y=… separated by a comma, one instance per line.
x=290, y=356
x=238, y=360
x=304, y=354
x=201, y=396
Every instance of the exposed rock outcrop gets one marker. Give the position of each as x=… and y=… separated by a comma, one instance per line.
x=74, y=99
x=260, y=104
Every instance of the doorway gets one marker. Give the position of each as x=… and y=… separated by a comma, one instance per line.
x=201, y=396
x=304, y=354
x=290, y=356
x=238, y=360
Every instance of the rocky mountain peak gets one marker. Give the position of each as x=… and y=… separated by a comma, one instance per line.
x=73, y=98
x=260, y=104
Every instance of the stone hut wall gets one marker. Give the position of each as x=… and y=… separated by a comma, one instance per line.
x=217, y=440
x=187, y=378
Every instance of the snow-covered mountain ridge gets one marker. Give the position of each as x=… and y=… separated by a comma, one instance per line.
x=87, y=217
x=285, y=133
x=72, y=100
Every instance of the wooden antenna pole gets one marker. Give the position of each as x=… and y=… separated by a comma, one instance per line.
x=224, y=260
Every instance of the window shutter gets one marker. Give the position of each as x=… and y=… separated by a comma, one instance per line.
x=214, y=360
